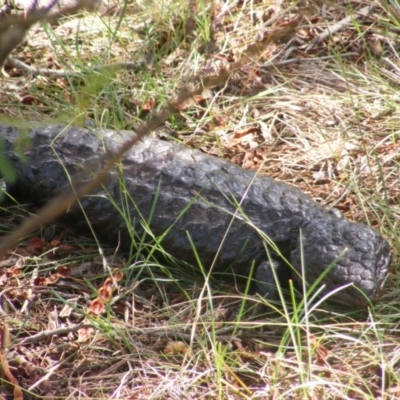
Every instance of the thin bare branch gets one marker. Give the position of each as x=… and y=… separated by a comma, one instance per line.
x=13, y=28
x=43, y=335
x=332, y=29
x=129, y=66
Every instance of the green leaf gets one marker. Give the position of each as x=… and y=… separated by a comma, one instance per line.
x=6, y=169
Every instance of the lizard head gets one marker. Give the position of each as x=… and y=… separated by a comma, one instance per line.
x=356, y=256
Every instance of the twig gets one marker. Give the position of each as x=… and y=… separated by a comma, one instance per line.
x=50, y=333
x=305, y=60
x=44, y=335
x=330, y=30
x=39, y=71
x=130, y=66
x=46, y=377
x=42, y=15
x=14, y=27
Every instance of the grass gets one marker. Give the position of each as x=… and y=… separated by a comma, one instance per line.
x=324, y=120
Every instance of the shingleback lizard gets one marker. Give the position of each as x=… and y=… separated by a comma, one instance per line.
x=171, y=177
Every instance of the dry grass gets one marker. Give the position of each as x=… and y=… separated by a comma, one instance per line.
x=324, y=119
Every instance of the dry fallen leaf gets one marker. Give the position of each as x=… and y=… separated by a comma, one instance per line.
x=98, y=305
x=179, y=347
x=321, y=353
x=4, y=367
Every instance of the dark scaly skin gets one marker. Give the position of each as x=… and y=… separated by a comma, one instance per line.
x=179, y=175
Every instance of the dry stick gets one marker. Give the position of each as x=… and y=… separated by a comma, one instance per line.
x=47, y=334
x=66, y=199
x=14, y=27
x=40, y=71
x=157, y=332
x=62, y=73
x=42, y=15
x=46, y=377
x=269, y=65
x=330, y=30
